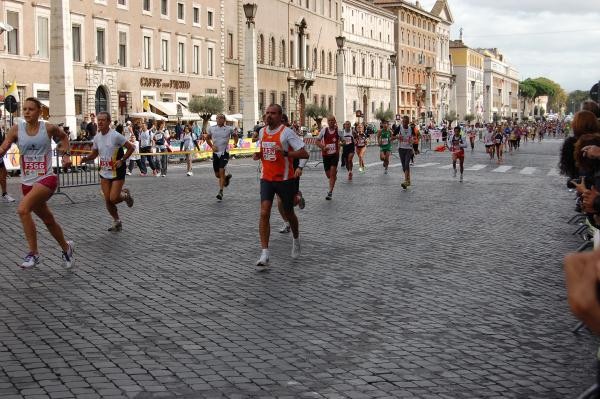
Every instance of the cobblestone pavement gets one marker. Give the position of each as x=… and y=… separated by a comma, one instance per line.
x=448, y=290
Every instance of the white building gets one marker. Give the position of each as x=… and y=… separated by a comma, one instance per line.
x=369, y=33
x=501, y=87
x=468, y=66
x=443, y=65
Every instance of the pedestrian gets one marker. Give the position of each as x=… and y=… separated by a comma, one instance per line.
x=328, y=140
x=348, y=147
x=405, y=150
x=279, y=145
x=161, y=141
x=135, y=157
x=218, y=139
x=108, y=146
x=33, y=137
x=384, y=140
x=92, y=127
x=187, y=145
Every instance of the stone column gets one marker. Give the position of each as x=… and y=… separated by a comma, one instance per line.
x=62, y=94
x=250, y=112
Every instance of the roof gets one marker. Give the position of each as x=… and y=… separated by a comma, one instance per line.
x=442, y=10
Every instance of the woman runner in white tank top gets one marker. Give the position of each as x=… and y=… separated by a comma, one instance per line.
x=33, y=137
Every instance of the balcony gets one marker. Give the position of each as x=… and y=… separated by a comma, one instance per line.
x=302, y=75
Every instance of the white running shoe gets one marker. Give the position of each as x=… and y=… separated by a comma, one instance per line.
x=285, y=228
x=190, y=173
x=263, y=262
x=68, y=256
x=7, y=198
x=128, y=173
x=30, y=260
x=295, y=248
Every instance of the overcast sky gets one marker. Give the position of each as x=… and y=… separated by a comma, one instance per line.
x=523, y=31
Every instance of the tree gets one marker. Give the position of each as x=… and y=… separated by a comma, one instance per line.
x=386, y=115
x=206, y=106
x=316, y=112
x=575, y=98
x=469, y=118
x=451, y=117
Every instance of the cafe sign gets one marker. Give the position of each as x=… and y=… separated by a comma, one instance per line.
x=165, y=84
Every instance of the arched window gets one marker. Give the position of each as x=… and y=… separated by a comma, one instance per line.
x=272, y=51
x=101, y=100
x=372, y=68
x=282, y=52
x=363, y=68
x=315, y=59
x=322, y=61
x=380, y=70
x=329, y=63
x=353, y=65
x=261, y=49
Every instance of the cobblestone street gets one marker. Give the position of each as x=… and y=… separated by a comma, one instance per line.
x=447, y=290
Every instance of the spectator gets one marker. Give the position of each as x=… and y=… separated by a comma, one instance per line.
x=584, y=122
x=92, y=127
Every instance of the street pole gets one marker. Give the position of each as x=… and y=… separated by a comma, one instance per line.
x=62, y=91
x=393, y=85
x=428, y=98
x=340, y=95
x=250, y=116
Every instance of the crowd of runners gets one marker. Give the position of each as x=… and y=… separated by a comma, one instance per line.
x=281, y=151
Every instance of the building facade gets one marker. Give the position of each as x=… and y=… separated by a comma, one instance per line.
x=369, y=33
x=468, y=69
x=295, y=52
x=124, y=51
x=501, y=87
x=443, y=66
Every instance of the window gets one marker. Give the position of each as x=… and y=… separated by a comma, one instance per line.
x=100, y=54
x=272, y=51
x=363, y=68
x=123, y=49
x=231, y=100
x=164, y=7
x=261, y=49
x=180, y=11
x=354, y=106
x=292, y=60
x=353, y=65
x=210, y=22
x=42, y=37
x=12, y=18
x=273, y=97
x=283, y=102
x=261, y=102
x=146, y=5
x=164, y=54
x=147, y=52
x=196, y=12
x=322, y=61
x=282, y=49
x=329, y=63
x=381, y=70
x=209, y=61
x=372, y=69
x=181, y=57
x=76, y=35
x=122, y=3
x=196, y=59
x=78, y=104
x=229, y=45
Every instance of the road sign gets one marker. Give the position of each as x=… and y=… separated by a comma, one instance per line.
x=594, y=92
x=10, y=104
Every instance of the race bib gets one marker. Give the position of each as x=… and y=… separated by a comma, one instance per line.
x=348, y=140
x=384, y=141
x=106, y=164
x=34, y=165
x=330, y=148
x=268, y=151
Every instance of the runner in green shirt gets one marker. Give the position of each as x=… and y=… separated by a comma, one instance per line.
x=384, y=139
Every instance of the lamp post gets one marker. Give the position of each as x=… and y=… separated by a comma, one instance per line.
x=340, y=97
x=393, y=84
x=250, y=111
x=428, y=95
x=510, y=108
x=418, y=97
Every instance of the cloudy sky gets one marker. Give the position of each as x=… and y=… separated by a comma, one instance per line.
x=556, y=39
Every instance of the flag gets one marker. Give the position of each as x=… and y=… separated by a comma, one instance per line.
x=146, y=105
x=12, y=91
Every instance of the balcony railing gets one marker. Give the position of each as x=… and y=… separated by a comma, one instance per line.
x=302, y=75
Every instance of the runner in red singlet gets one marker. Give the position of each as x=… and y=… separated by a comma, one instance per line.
x=328, y=141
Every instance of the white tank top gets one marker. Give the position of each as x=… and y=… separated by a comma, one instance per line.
x=36, y=154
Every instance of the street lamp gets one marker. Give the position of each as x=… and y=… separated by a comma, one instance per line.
x=393, y=84
x=250, y=111
x=428, y=98
x=340, y=98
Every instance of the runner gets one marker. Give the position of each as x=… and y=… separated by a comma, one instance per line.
x=361, y=141
x=498, y=138
x=108, y=145
x=218, y=139
x=457, y=147
x=279, y=145
x=328, y=141
x=34, y=140
x=404, y=136
x=348, y=148
x=3, y=174
x=416, y=133
x=187, y=145
x=384, y=140
x=472, y=135
x=488, y=141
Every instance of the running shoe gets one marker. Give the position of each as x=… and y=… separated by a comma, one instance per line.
x=190, y=173
x=285, y=228
x=117, y=226
x=301, y=202
x=128, y=197
x=404, y=185
x=30, y=260
x=227, y=179
x=329, y=195
x=350, y=176
x=385, y=171
x=461, y=178
x=263, y=262
x=220, y=195
x=454, y=174
x=68, y=255
x=7, y=198
x=295, y=248
x=361, y=169
x=128, y=173
x=163, y=175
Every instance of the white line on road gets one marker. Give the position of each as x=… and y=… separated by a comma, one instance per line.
x=528, y=170
x=373, y=164
x=425, y=165
x=478, y=166
x=445, y=167
x=502, y=169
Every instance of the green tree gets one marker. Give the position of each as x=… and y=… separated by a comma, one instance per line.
x=451, y=117
x=469, y=118
x=206, y=107
x=387, y=115
x=575, y=98
x=316, y=112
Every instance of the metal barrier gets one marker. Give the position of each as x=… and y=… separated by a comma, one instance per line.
x=314, y=152
x=77, y=175
x=425, y=143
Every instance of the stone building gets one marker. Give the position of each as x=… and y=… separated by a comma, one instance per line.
x=501, y=86
x=443, y=66
x=468, y=69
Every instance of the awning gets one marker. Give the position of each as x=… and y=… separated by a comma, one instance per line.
x=169, y=109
